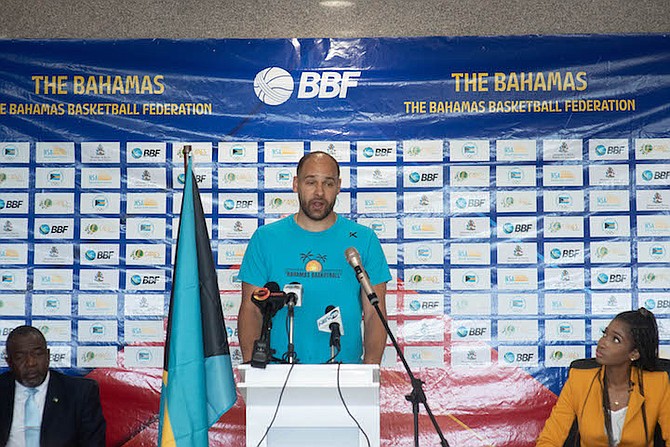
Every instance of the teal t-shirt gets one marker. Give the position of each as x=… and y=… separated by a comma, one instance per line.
x=283, y=252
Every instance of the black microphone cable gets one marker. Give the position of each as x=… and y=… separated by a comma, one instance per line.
x=339, y=391
x=281, y=394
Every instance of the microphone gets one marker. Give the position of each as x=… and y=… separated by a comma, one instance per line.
x=269, y=298
x=354, y=260
x=332, y=322
x=293, y=293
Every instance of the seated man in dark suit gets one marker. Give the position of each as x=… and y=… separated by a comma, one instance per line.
x=41, y=407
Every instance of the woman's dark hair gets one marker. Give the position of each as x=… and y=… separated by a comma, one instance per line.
x=644, y=331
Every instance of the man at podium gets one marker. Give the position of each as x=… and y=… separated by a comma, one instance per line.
x=308, y=248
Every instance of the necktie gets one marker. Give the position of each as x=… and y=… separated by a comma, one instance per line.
x=32, y=420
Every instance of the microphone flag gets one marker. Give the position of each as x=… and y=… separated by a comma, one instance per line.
x=198, y=383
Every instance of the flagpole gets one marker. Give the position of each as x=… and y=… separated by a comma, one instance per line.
x=186, y=152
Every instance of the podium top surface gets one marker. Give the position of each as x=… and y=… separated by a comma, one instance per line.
x=311, y=376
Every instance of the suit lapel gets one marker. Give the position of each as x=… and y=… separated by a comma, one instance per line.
x=51, y=404
x=7, y=387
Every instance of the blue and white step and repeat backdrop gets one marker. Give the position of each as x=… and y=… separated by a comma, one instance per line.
x=520, y=186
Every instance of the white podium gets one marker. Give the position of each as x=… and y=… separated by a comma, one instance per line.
x=311, y=412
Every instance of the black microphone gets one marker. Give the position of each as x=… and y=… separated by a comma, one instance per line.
x=354, y=260
x=269, y=298
x=332, y=322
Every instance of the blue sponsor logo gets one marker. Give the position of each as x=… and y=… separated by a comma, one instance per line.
x=368, y=152
x=601, y=150
x=136, y=153
x=650, y=304
x=647, y=175
x=44, y=229
x=509, y=357
x=415, y=305
x=462, y=331
x=508, y=228
x=136, y=280
x=90, y=255
x=602, y=278
x=555, y=253
x=461, y=203
x=229, y=204
x=414, y=177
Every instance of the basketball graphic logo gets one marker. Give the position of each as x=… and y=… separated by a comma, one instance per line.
x=273, y=86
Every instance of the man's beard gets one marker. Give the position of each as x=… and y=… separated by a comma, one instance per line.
x=317, y=216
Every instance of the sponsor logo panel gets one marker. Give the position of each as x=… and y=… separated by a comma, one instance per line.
x=518, y=356
x=423, y=330
x=562, y=356
x=136, y=357
x=423, y=253
x=469, y=176
x=517, y=278
x=652, y=174
x=653, y=200
x=470, y=202
x=470, y=227
x=14, y=152
x=145, y=152
x=422, y=356
x=231, y=253
x=609, y=200
x=563, y=227
x=52, y=279
x=561, y=150
x=97, y=305
x=511, y=176
x=100, y=178
x=16, y=178
x=145, y=228
x=98, y=279
x=147, y=203
x=283, y=151
x=655, y=225
x=339, y=150
x=141, y=305
x=55, y=330
x=600, y=149
x=516, y=150
x=97, y=330
x=424, y=279
x=653, y=251
x=100, y=152
x=424, y=304
x=423, y=202
x=652, y=149
x=610, y=278
x=516, y=253
x=202, y=152
x=384, y=228
x=518, y=304
x=98, y=228
x=610, y=303
x=12, y=305
x=54, y=152
x=280, y=177
x=563, y=201
x=516, y=201
x=610, y=252
x=564, y=303
x=376, y=151
x=143, y=331
x=377, y=177
x=15, y=203
x=562, y=175
x=242, y=203
x=518, y=330
x=54, y=177
x=470, y=253
x=52, y=305
x=563, y=253
x=14, y=254
x=377, y=202
x=609, y=175
x=13, y=279
x=100, y=203
x=565, y=330
x=423, y=228
x=470, y=279
x=563, y=278
x=469, y=150
x=147, y=178
x=609, y=226
x=470, y=304
x=658, y=303
x=653, y=277
x=54, y=254
x=97, y=357
x=423, y=150
x=421, y=177
x=470, y=355
x=238, y=152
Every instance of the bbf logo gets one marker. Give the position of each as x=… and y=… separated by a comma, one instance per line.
x=274, y=85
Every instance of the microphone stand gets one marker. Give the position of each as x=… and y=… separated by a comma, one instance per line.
x=290, y=353
x=417, y=396
x=262, y=352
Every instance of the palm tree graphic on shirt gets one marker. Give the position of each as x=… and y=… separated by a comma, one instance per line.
x=313, y=263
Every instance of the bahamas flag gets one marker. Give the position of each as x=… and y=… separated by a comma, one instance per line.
x=198, y=384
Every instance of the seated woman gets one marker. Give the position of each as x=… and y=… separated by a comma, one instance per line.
x=620, y=400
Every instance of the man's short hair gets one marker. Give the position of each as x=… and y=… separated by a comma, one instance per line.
x=22, y=331
x=313, y=154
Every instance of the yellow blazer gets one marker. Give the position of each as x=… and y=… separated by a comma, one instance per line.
x=576, y=400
